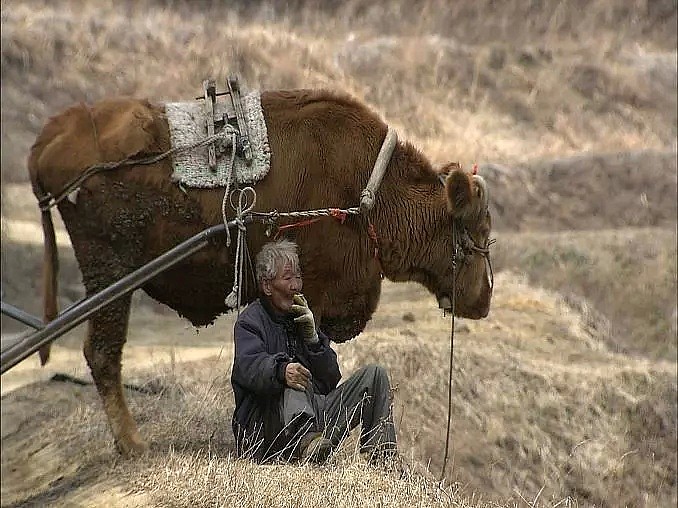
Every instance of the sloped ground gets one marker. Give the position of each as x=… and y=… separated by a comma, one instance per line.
x=588, y=191
x=539, y=402
x=624, y=280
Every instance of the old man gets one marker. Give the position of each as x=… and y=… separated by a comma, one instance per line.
x=285, y=377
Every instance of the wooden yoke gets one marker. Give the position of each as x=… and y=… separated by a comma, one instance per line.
x=234, y=91
x=220, y=114
x=209, y=89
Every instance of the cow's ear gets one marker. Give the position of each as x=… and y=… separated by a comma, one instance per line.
x=459, y=187
x=467, y=196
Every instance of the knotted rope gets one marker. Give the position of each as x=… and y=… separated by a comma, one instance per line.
x=338, y=213
x=227, y=192
x=367, y=200
x=243, y=211
x=243, y=207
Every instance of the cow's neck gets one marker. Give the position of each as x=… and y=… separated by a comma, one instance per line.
x=409, y=204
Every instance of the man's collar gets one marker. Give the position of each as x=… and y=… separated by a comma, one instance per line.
x=276, y=315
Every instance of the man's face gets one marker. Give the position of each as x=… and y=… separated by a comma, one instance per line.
x=282, y=288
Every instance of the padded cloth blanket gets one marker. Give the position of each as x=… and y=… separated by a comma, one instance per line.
x=187, y=126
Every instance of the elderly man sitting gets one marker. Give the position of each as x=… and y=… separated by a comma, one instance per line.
x=285, y=376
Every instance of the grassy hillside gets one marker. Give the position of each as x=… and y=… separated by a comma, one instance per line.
x=541, y=409
x=541, y=83
x=624, y=281
x=565, y=395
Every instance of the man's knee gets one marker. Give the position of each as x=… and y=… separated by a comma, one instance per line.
x=377, y=379
x=292, y=394
x=296, y=403
x=377, y=372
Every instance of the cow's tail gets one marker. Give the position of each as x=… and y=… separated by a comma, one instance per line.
x=50, y=271
x=50, y=265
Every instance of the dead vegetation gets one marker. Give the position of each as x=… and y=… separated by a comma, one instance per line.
x=624, y=281
x=565, y=395
x=445, y=79
x=541, y=408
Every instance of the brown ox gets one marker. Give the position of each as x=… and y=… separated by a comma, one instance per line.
x=323, y=147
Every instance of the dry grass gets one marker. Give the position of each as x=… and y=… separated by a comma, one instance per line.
x=540, y=90
x=541, y=408
x=351, y=484
x=548, y=406
x=589, y=191
x=533, y=384
x=623, y=280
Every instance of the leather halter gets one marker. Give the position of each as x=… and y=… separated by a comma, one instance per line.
x=465, y=246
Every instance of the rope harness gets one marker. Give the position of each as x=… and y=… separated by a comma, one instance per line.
x=367, y=200
x=48, y=201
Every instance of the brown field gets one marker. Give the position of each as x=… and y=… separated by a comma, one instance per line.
x=566, y=395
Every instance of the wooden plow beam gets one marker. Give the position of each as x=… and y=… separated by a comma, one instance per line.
x=77, y=313
x=21, y=316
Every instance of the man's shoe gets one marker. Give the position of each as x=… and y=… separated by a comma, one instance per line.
x=315, y=448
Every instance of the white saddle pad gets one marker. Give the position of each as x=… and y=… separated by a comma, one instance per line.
x=187, y=125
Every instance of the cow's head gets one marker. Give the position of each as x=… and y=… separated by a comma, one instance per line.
x=462, y=244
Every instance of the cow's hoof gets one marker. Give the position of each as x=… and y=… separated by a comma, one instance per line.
x=131, y=447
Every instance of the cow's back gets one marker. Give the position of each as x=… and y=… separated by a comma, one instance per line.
x=84, y=135
x=131, y=214
x=322, y=150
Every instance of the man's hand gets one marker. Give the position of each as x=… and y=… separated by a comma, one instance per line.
x=304, y=320
x=297, y=376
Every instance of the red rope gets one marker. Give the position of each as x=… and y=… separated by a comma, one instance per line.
x=299, y=224
x=338, y=214
x=341, y=217
x=372, y=233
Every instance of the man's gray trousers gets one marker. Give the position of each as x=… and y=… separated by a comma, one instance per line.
x=364, y=398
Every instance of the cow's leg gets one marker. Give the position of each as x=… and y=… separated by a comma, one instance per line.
x=107, y=329
x=103, y=350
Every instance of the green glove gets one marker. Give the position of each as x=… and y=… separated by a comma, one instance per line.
x=304, y=320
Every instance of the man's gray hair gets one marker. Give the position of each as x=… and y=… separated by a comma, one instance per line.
x=274, y=255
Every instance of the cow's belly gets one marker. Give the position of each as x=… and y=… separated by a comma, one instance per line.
x=194, y=292
x=118, y=226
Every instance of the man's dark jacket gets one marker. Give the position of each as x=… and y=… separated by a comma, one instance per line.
x=265, y=342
